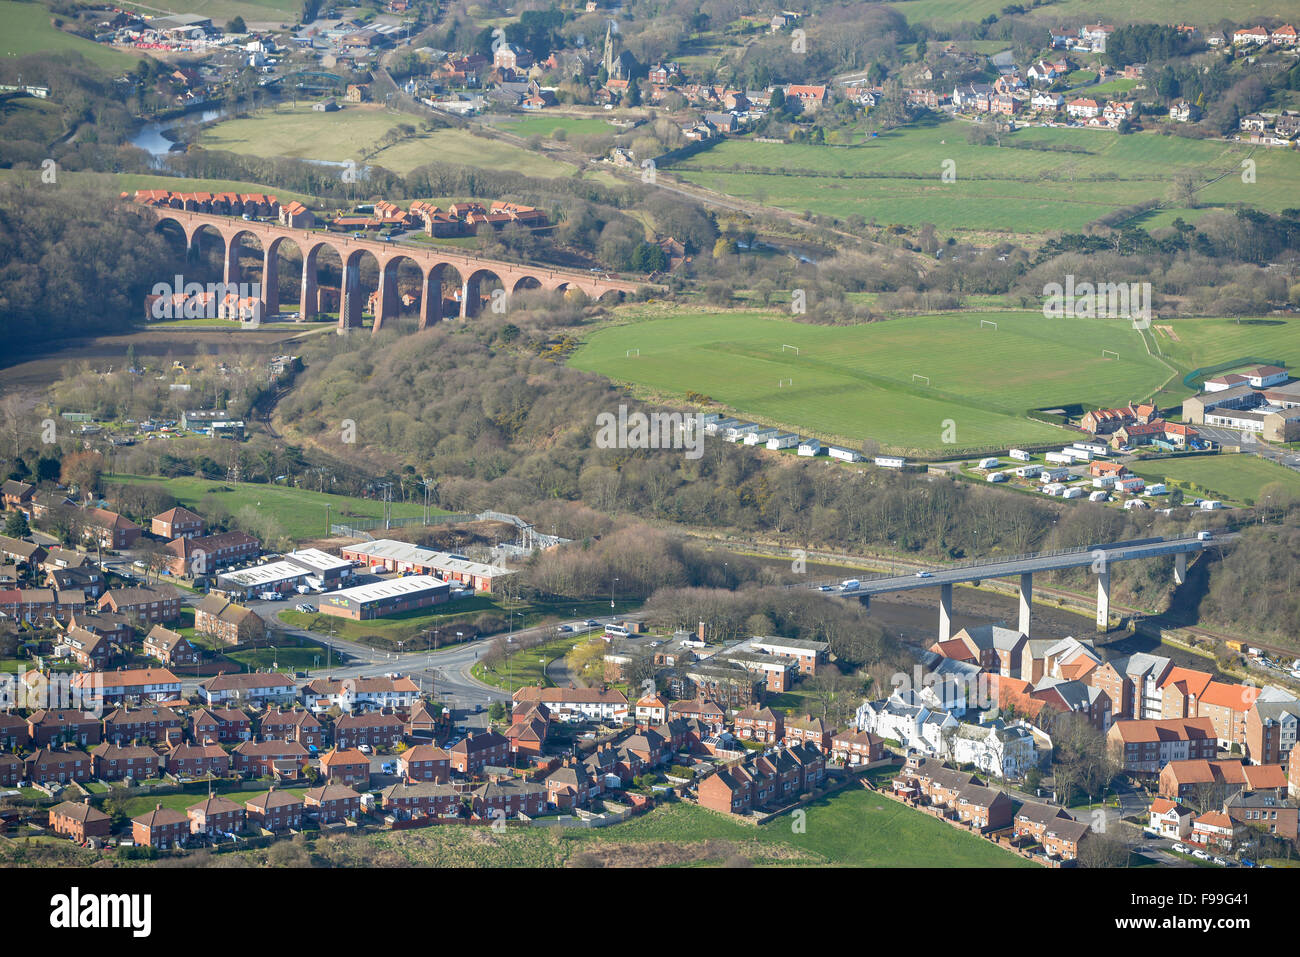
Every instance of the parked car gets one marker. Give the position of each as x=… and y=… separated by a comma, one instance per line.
x=270, y=596
x=1181, y=848
x=304, y=607
x=388, y=767
x=1200, y=855
x=363, y=748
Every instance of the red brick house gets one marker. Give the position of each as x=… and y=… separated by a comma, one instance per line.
x=109, y=529
x=198, y=761
x=498, y=800
x=983, y=808
x=155, y=724
x=143, y=606
x=527, y=737
x=223, y=725
x=376, y=729
x=424, y=762
x=79, y=821
x=275, y=810
x=13, y=731
x=259, y=758
x=1145, y=747
x=170, y=647
x=114, y=763
x=207, y=554
x=759, y=724
x=216, y=816
x=331, y=804
x=857, y=747
x=91, y=651
x=51, y=726
x=570, y=786
x=475, y=752
x=177, y=523
x=11, y=770
x=161, y=828
x=808, y=730
x=426, y=798
x=702, y=709
x=221, y=618
x=297, y=724
x=730, y=791
x=345, y=767
x=1034, y=820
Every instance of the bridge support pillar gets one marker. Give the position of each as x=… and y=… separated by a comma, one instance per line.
x=1103, y=600
x=1180, y=568
x=386, y=303
x=270, y=283
x=307, y=296
x=431, y=299
x=350, y=299
x=230, y=267
x=945, y=612
x=1026, y=601
x=470, y=298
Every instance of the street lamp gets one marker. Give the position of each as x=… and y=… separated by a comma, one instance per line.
x=611, y=593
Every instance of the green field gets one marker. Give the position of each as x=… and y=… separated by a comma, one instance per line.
x=855, y=383
x=1202, y=13
x=253, y=11
x=1203, y=342
x=303, y=133
x=546, y=125
x=1230, y=478
x=301, y=512
x=895, y=177
x=28, y=29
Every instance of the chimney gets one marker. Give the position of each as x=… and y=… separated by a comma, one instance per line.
x=85, y=800
x=158, y=806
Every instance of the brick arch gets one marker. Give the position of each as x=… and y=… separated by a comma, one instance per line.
x=388, y=303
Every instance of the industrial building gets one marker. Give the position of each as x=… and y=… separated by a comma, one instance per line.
x=383, y=598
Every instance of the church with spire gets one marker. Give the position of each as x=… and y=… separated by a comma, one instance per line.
x=619, y=63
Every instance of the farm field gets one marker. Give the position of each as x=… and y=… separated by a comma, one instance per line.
x=546, y=125
x=300, y=511
x=1202, y=13
x=253, y=11
x=130, y=182
x=855, y=383
x=1030, y=187
x=1229, y=478
x=303, y=133
x=28, y=29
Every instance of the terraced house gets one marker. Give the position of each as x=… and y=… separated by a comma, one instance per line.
x=155, y=725
x=114, y=763
x=144, y=607
x=378, y=730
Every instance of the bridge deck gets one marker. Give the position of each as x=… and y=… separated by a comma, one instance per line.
x=1044, y=562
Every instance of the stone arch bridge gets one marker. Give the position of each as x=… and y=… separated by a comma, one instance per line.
x=433, y=265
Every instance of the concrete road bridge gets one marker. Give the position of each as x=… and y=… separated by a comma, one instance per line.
x=436, y=265
x=1099, y=558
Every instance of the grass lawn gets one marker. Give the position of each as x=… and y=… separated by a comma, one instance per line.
x=285, y=659
x=1229, y=478
x=179, y=802
x=527, y=668
x=1204, y=342
x=546, y=125
x=300, y=511
x=855, y=383
x=28, y=29
x=303, y=133
x=1026, y=185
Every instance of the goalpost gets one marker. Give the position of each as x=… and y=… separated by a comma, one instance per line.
x=925, y=377
x=1109, y=354
x=988, y=322
x=631, y=352
x=782, y=383
x=784, y=347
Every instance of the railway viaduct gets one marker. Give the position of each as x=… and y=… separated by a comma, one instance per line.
x=433, y=263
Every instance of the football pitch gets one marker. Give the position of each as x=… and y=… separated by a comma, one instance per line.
x=927, y=383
